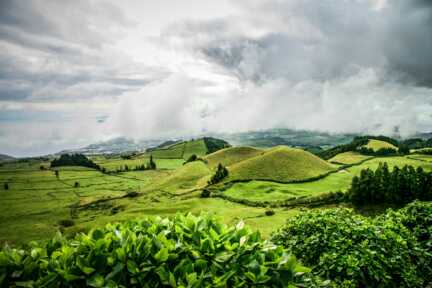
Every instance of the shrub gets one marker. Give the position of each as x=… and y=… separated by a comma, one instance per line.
x=205, y=193
x=269, y=213
x=341, y=245
x=186, y=251
x=76, y=184
x=66, y=223
x=192, y=158
x=6, y=186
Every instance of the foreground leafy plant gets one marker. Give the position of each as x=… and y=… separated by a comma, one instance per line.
x=186, y=251
x=341, y=245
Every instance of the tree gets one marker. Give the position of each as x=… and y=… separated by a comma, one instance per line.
x=403, y=149
x=220, y=174
x=57, y=173
x=6, y=186
x=151, y=164
x=76, y=185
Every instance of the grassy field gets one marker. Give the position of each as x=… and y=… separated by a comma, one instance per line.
x=37, y=201
x=340, y=181
x=116, y=163
x=280, y=164
x=375, y=145
x=348, y=158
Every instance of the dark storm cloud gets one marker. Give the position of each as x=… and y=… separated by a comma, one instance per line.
x=322, y=40
x=409, y=40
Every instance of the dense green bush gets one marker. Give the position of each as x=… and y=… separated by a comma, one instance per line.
x=341, y=245
x=186, y=251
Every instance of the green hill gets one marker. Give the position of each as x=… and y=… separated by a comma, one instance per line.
x=375, y=145
x=189, y=176
x=232, y=155
x=183, y=150
x=4, y=157
x=282, y=164
x=348, y=158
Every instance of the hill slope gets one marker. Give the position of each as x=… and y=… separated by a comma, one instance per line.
x=282, y=164
x=4, y=157
x=232, y=155
x=183, y=150
x=375, y=145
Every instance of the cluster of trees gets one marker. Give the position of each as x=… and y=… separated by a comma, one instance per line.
x=380, y=152
x=417, y=143
x=425, y=152
x=214, y=144
x=74, y=160
x=360, y=141
x=398, y=186
x=220, y=174
x=151, y=165
x=356, y=143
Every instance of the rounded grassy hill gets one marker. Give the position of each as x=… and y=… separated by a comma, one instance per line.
x=281, y=164
x=232, y=155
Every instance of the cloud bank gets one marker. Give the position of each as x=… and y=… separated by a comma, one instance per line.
x=338, y=66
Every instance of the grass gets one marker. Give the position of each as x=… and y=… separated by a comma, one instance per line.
x=348, y=158
x=280, y=164
x=375, y=145
x=119, y=163
x=182, y=150
x=340, y=181
x=232, y=155
x=191, y=176
x=37, y=200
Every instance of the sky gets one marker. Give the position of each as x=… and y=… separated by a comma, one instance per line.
x=77, y=72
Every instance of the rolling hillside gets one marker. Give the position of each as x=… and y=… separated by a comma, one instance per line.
x=282, y=164
x=183, y=150
x=348, y=158
x=4, y=157
x=375, y=145
x=232, y=155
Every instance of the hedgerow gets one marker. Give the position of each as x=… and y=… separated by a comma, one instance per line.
x=185, y=251
x=355, y=250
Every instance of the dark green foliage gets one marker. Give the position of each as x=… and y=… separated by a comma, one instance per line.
x=425, y=152
x=57, y=173
x=66, y=223
x=42, y=167
x=220, y=174
x=186, y=251
x=76, y=184
x=418, y=143
x=205, y=193
x=132, y=194
x=214, y=144
x=379, y=152
x=74, y=160
x=269, y=212
x=151, y=165
x=6, y=186
x=330, y=153
x=403, y=149
x=346, y=247
x=397, y=187
x=192, y=158
x=356, y=144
